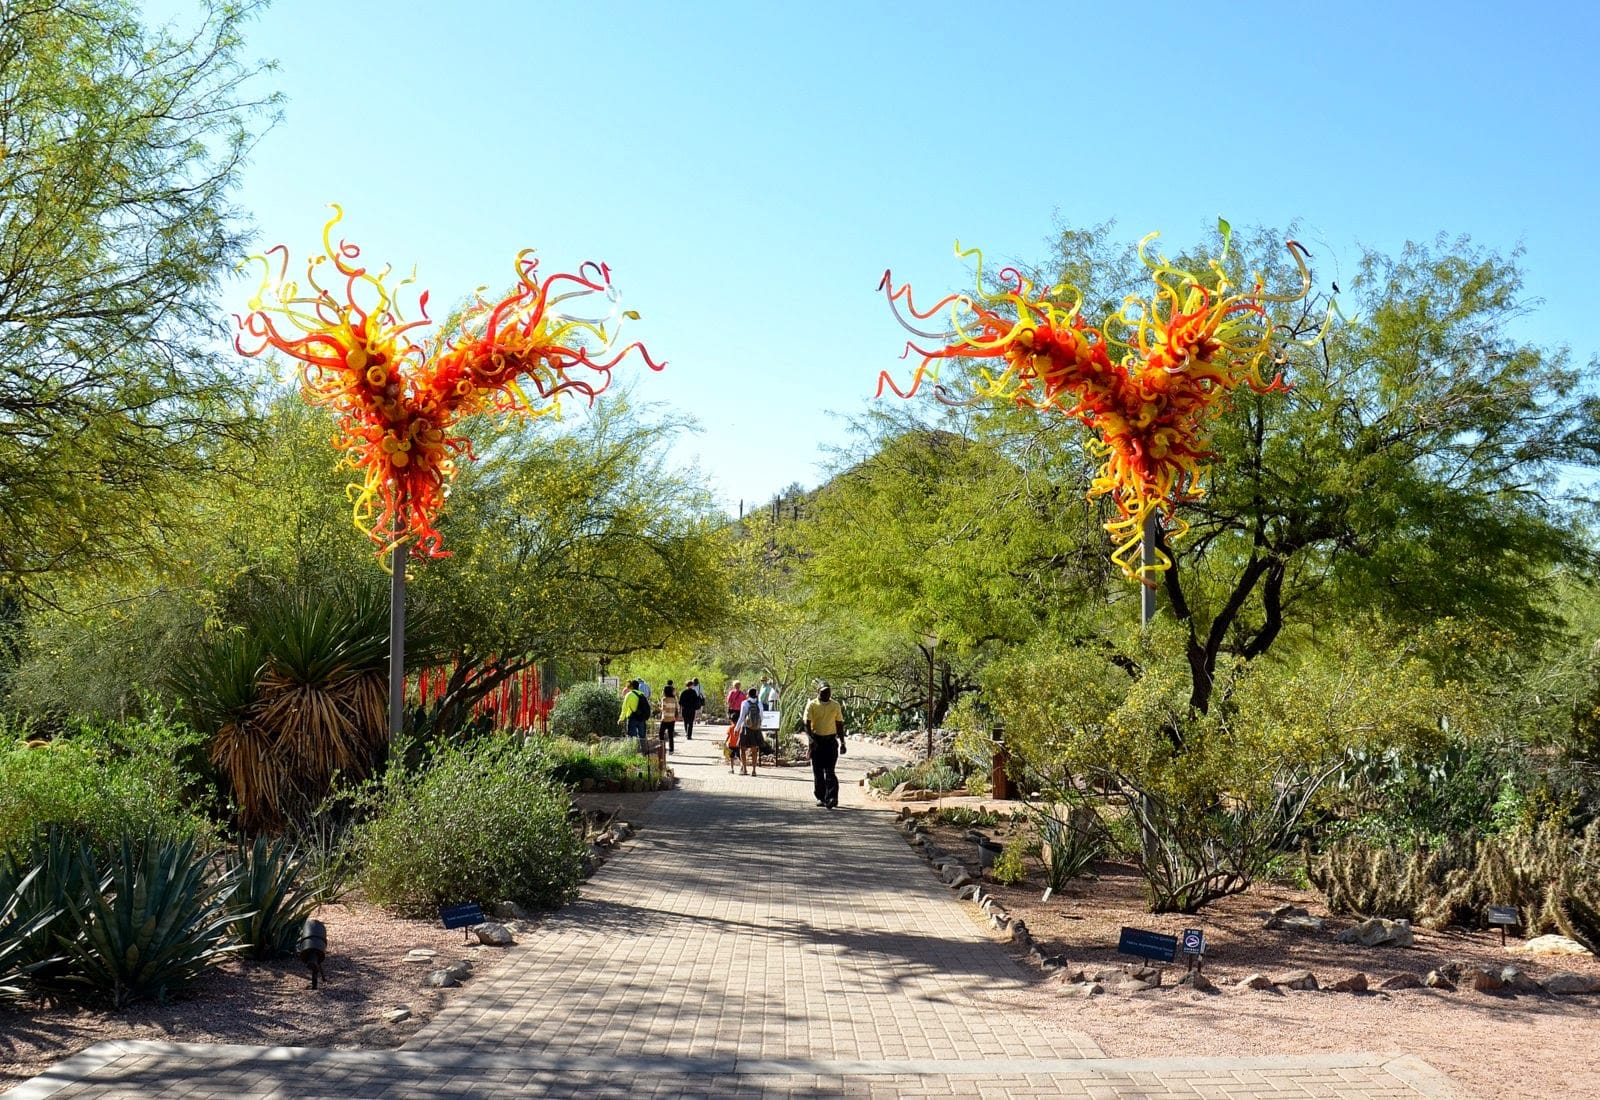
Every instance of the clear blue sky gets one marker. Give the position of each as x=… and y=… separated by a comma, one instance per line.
x=749, y=170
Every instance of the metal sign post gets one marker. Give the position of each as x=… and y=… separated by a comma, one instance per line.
x=397, y=640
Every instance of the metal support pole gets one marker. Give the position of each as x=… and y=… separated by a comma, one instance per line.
x=930, y=702
x=1147, y=558
x=397, y=640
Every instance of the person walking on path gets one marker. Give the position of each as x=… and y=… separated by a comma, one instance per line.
x=635, y=712
x=749, y=727
x=824, y=725
x=691, y=702
x=736, y=698
x=669, y=716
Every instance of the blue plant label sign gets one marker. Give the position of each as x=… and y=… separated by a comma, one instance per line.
x=1504, y=914
x=1147, y=945
x=1194, y=941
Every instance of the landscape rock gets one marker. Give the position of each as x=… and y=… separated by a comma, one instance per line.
x=1000, y=921
x=1299, y=922
x=623, y=829
x=396, y=1014
x=1355, y=983
x=1019, y=931
x=510, y=910
x=1552, y=945
x=495, y=935
x=1198, y=982
x=1255, y=981
x=1568, y=984
x=968, y=892
x=1378, y=932
x=421, y=953
x=1436, y=980
x=1288, y=911
x=1082, y=989
x=440, y=979
x=1296, y=979
x=1404, y=980
x=1512, y=978
x=961, y=880
x=1483, y=980
x=460, y=971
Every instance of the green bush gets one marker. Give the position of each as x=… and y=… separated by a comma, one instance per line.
x=276, y=891
x=605, y=761
x=159, y=922
x=1009, y=868
x=481, y=822
x=933, y=775
x=99, y=783
x=586, y=712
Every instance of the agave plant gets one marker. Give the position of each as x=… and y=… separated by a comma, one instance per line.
x=275, y=885
x=20, y=922
x=299, y=696
x=57, y=872
x=159, y=922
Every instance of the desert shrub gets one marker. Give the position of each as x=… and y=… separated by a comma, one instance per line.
x=58, y=872
x=275, y=891
x=97, y=783
x=484, y=822
x=1010, y=866
x=586, y=712
x=155, y=921
x=928, y=775
x=21, y=922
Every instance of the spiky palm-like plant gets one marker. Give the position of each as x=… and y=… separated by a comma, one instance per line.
x=293, y=697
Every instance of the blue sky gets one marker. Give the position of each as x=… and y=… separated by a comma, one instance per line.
x=749, y=170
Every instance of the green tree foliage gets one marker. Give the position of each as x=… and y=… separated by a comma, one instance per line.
x=119, y=147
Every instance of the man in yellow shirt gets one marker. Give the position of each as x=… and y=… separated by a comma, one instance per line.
x=824, y=724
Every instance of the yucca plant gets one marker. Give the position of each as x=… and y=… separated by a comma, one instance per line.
x=299, y=696
x=274, y=884
x=159, y=922
x=1068, y=848
x=20, y=922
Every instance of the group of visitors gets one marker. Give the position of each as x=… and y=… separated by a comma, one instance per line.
x=675, y=707
x=822, y=723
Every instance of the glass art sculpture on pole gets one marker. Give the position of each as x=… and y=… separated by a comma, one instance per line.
x=399, y=400
x=1145, y=380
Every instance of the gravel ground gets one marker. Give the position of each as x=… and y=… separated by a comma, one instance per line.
x=367, y=974
x=1528, y=1045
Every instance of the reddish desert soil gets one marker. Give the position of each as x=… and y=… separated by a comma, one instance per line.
x=1491, y=1045
x=366, y=974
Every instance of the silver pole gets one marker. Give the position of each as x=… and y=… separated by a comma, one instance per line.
x=1147, y=558
x=397, y=640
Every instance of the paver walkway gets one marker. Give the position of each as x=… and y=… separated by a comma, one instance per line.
x=745, y=943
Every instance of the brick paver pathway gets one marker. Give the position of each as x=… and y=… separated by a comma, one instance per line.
x=744, y=943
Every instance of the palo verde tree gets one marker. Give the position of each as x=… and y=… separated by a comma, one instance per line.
x=119, y=148
x=1412, y=471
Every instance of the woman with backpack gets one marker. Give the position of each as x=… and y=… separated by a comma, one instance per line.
x=749, y=727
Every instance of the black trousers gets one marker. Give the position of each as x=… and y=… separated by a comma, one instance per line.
x=688, y=723
x=824, y=758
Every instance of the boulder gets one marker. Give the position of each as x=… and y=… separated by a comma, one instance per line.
x=1568, y=984
x=1378, y=932
x=396, y=1014
x=1197, y=981
x=968, y=892
x=1552, y=945
x=1515, y=979
x=1402, y=980
x=1296, y=979
x=1436, y=980
x=440, y=979
x=1355, y=983
x=961, y=880
x=1082, y=989
x=1297, y=922
x=1255, y=981
x=495, y=935
x=1483, y=980
x=460, y=970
